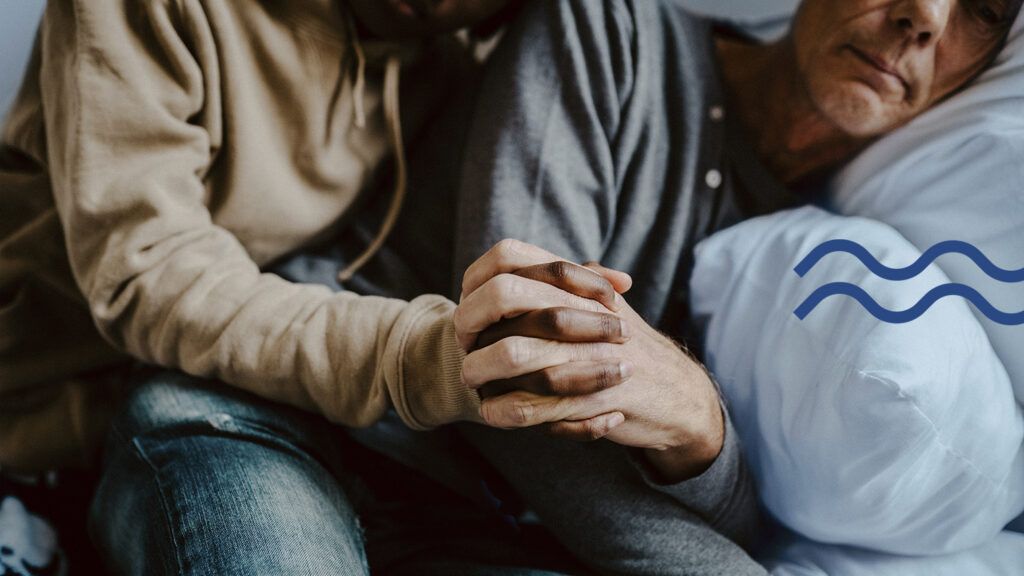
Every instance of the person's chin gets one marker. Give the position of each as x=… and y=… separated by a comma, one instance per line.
x=859, y=110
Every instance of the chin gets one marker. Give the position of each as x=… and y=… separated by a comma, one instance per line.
x=856, y=109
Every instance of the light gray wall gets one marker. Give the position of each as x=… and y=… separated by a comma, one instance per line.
x=19, y=20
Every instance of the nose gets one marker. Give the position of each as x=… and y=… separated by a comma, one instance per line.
x=923, y=21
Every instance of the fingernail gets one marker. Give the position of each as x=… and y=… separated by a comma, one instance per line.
x=625, y=370
x=616, y=419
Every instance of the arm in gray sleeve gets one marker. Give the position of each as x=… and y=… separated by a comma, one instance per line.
x=724, y=495
x=567, y=151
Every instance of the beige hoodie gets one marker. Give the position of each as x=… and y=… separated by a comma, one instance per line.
x=158, y=154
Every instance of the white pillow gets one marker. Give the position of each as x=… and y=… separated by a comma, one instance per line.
x=1001, y=556
x=957, y=173
x=902, y=438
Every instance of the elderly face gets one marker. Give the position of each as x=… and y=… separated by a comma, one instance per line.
x=394, y=19
x=872, y=65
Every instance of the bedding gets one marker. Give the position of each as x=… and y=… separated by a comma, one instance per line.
x=901, y=438
x=793, y=556
x=957, y=173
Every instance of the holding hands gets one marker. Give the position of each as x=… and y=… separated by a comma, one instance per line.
x=554, y=344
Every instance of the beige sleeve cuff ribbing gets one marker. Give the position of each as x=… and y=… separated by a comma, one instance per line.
x=427, y=387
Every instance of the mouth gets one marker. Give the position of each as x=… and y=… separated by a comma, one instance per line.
x=882, y=66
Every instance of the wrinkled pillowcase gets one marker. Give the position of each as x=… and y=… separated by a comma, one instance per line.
x=895, y=437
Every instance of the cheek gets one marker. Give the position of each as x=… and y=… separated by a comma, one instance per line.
x=955, y=66
x=959, y=57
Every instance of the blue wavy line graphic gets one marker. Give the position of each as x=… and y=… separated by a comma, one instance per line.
x=915, y=311
x=929, y=256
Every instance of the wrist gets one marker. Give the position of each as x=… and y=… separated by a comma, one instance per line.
x=693, y=457
x=426, y=388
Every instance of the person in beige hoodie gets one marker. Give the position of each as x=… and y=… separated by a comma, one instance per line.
x=158, y=155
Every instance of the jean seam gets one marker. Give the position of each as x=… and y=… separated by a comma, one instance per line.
x=165, y=506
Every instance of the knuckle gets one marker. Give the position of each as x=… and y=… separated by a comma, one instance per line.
x=505, y=287
x=550, y=382
x=556, y=320
x=609, y=327
x=512, y=352
x=559, y=270
x=606, y=378
x=521, y=413
x=507, y=248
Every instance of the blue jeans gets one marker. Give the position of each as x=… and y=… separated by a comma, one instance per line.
x=200, y=478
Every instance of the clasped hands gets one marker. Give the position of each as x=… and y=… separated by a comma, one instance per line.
x=554, y=344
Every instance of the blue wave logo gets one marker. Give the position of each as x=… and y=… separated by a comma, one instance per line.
x=911, y=271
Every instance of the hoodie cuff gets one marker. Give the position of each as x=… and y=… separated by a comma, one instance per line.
x=715, y=494
x=428, y=390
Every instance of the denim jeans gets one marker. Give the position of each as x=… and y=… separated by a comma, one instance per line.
x=200, y=478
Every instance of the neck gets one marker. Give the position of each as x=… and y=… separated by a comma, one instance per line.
x=791, y=136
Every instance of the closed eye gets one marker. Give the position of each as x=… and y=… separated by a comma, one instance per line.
x=992, y=13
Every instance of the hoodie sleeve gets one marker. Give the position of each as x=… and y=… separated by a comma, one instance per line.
x=122, y=85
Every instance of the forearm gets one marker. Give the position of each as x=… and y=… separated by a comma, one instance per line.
x=723, y=494
x=688, y=461
x=345, y=356
x=695, y=453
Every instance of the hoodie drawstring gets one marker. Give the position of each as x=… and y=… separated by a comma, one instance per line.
x=392, y=116
x=359, y=86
